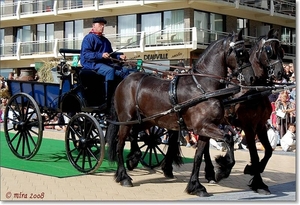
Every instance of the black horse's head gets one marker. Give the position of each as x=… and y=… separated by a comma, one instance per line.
x=237, y=54
x=266, y=58
x=246, y=74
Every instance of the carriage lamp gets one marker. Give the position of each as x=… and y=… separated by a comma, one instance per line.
x=139, y=64
x=63, y=68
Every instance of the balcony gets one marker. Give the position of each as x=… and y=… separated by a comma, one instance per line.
x=35, y=12
x=135, y=42
x=287, y=7
x=189, y=39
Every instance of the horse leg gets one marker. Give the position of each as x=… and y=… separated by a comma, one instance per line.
x=225, y=162
x=121, y=174
x=209, y=167
x=194, y=186
x=263, y=137
x=256, y=183
x=172, y=155
x=135, y=154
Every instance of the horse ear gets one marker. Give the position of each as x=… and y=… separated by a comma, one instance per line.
x=276, y=34
x=240, y=35
x=270, y=33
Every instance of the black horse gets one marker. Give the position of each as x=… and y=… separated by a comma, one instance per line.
x=252, y=108
x=188, y=101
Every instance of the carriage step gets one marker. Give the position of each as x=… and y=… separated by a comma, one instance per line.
x=93, y=109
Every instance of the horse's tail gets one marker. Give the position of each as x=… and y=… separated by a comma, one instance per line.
x=226, y=162
x=111, y=135
x=174, y=154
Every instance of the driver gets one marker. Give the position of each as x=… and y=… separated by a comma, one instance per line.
x=96, y=54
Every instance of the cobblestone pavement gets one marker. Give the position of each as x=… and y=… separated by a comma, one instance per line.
x=150, y=185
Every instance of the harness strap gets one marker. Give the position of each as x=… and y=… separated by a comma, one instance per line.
x=174, y=101
x=136, y=100
x=197, y=84
x=173, y=90
x=185, y=104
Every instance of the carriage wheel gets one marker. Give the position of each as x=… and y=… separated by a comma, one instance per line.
x=23, y=126
x=153, y=155
x=85, y=143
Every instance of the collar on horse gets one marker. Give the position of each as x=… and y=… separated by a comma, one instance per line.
x=174, y=101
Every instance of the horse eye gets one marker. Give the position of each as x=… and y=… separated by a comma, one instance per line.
x=240, y=53
x=269, y=51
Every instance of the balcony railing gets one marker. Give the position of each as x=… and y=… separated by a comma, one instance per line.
x=190, y=38
x=23, y=8
x=278, y=6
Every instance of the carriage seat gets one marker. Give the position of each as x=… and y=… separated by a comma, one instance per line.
x=93, y=88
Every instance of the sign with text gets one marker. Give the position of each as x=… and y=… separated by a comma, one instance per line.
x=159, y=55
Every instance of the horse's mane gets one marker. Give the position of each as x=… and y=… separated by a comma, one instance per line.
x=256, y=43
x=259, y=39
x=209, y=48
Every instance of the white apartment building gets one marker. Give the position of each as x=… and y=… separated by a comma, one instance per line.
x=33, y=31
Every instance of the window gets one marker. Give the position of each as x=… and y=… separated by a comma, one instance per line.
x=242, y=23
x=23, y=34
x=127, y=30
x=174, y=23
x=1, y=41
x=28, y=6
x=48, y=5
x=45, y=37
x=288, y=39
x=73, y=4
x=171, y=22
x=2, y=4
x=286, y=34
x=209, y=26
x=151, y=24
x=73, y=34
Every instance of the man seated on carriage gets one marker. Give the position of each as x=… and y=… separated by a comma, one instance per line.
x=97, y=54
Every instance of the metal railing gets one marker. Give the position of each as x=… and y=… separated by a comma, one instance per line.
x=278, y=6
x=140, y=41
x=23, y=8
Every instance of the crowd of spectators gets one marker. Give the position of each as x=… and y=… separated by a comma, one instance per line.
x=284, y=105
x=282, y=123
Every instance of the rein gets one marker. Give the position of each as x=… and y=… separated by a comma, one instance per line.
x=183, y=105
x=171, y=66
x=149, y=68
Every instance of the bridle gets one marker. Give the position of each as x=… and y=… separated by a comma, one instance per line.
x=240, y=54
x=272, y=57
x=239, y=50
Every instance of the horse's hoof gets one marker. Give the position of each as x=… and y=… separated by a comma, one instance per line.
x=126, y=183
x=264, y=191
x=220, y=174
x=203, y=194
x=200, y=193
x=212, y=182
x=169, y=175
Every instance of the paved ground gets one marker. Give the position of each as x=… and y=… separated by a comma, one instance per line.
x=150, y=185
